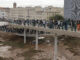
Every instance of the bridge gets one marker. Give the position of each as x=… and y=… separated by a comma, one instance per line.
x=38, y=31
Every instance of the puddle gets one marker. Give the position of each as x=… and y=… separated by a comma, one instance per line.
x=4, y=51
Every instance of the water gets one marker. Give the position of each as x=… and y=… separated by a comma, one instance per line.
x=4, y=51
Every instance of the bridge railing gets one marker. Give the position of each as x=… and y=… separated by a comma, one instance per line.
x=48, y=24
x=44, y=24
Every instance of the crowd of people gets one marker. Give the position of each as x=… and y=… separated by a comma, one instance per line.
x=20, y=30
x=72, y=25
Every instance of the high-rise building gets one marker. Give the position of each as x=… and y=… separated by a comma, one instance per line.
x=72, y=9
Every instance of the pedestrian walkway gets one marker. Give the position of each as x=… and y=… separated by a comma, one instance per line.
x=43, y=27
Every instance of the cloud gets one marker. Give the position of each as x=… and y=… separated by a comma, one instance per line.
x=8, y=3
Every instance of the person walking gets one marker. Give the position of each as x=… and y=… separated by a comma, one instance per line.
x=66, y=25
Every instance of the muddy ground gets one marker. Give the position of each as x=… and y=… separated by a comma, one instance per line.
x=13, y=48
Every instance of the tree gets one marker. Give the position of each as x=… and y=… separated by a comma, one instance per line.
x=56, y=17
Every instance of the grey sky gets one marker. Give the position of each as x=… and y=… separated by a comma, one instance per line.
x=24, y=3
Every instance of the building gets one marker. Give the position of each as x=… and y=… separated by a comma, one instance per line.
x=14, y=5
x=3, y=14
x=72, y=9
x=36, y=12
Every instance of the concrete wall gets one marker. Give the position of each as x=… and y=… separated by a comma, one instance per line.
x=72, y=9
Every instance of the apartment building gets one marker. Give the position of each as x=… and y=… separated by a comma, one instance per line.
x=36, y=12
x=4, y=12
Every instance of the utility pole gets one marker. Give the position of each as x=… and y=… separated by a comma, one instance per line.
x=29, y=19
x=28, y=13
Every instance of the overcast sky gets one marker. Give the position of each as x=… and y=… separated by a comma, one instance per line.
x=24, y=3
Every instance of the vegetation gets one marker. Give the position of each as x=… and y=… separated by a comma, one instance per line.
x=56, y=17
